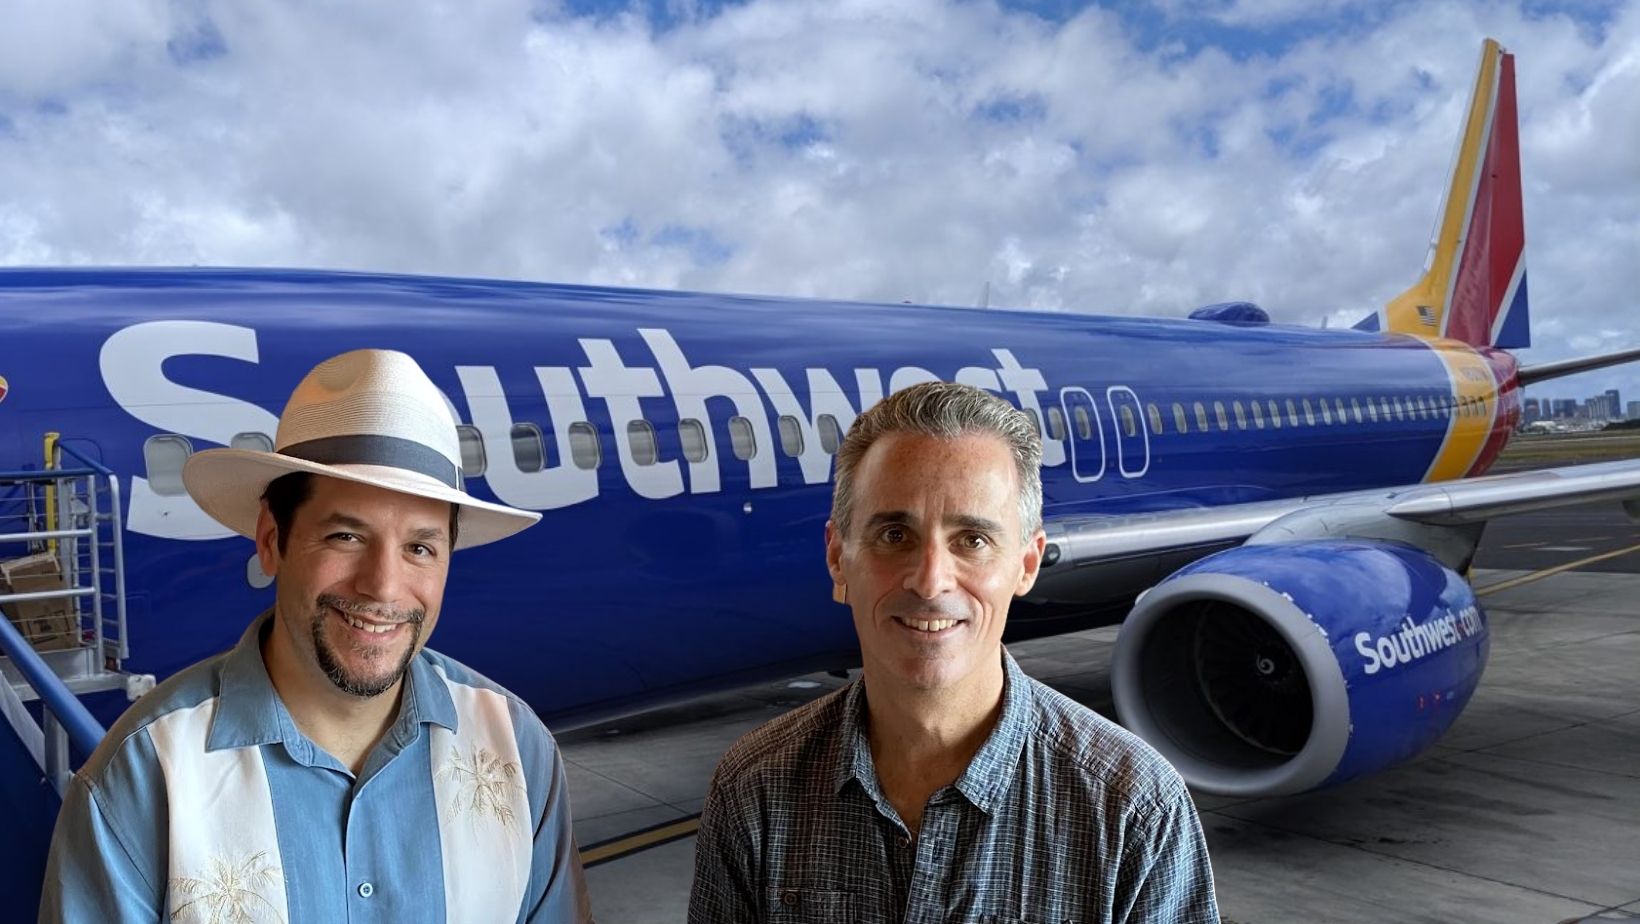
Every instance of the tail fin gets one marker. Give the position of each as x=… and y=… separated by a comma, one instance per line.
x=1474, y=283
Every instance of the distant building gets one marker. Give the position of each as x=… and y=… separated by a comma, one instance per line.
x=1616, y=403
x=1564, y=408
x=1530, y=411
x=1634, y=410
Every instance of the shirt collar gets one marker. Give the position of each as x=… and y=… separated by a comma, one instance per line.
x=854, y=751
x=989, y=774
x=249, y=711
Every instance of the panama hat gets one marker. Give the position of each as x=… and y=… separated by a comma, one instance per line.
x=370, y=416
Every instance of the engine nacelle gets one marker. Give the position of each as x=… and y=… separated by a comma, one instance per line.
x=1275, y=669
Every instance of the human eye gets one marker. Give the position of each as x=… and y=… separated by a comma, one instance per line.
x=342, y=536
x=893, y=534
x=974, y=542
x=422, y=550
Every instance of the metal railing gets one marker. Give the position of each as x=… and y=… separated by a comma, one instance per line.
x=64, y=720
x=74, y=516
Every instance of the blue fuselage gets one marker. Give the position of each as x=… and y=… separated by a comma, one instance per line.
x=679, y=444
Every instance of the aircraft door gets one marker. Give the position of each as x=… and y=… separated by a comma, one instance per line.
x=1132, y=433
x=1086, y=436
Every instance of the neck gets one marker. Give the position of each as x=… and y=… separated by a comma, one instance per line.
x=346, y=726
x=923, y=740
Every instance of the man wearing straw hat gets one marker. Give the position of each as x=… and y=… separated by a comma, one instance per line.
x=330, y=767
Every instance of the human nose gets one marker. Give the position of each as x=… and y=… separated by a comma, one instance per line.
x=380, y=575
x=934, y=572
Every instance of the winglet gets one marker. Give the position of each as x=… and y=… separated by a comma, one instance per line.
x=1474, y=283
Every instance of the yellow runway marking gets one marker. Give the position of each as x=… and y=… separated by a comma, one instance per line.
x=1547, y=572
x=639, y=840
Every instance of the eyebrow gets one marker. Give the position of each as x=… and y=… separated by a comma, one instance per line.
x=961, y=520
x=347, y=521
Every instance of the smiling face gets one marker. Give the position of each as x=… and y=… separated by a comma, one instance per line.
x=359, y=584
x=934, y=557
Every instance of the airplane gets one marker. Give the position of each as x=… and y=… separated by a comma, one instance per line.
x=1280, y=517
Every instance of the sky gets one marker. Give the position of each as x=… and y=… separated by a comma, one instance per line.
x=1124, y=158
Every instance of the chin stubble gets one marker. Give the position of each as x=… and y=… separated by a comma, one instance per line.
x=352, y=684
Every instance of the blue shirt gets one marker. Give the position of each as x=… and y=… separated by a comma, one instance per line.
x=204, y=802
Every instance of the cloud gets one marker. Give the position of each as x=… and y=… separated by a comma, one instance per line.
x=1122, y=160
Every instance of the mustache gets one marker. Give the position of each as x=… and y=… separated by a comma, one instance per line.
x=413, y=616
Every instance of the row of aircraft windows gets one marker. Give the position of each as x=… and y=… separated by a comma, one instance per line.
x=1299, y=412
x=529, y=445
x=166, y=454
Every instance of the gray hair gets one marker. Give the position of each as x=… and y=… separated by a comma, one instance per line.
x=944, y=410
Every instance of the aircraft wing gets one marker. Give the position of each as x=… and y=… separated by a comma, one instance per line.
x=1084, y=539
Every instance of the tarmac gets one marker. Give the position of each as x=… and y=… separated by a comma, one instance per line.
x=1528, y=810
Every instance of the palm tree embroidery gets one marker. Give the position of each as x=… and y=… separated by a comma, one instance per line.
x=485, y=785
x=231, y=893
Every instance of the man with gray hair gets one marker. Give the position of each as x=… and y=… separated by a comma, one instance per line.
x=944, y=784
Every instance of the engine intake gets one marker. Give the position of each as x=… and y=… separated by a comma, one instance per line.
x=1276, y=669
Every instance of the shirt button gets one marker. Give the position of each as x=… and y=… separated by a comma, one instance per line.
x=905, y=843
x=789, y=898
x=366, y=890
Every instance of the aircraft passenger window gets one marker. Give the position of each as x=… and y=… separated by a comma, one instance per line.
x=1241, y=416
x=741, y=438
x=1275, y=415
x=831, y=435
x=1178, y=418
x=1389, y=412
x=1400, y=410
x=1155, y=420
x=583, y=446
x=1130, y=426
x=256, y=442
x=1356, y=407
x=1084, y=426
x=164, y=456
x=1258, y=414
x=791, y=436
x=1309, y=413
x=640, y=437
x=529, y=452
x=1201, y=416
x=1342, y=418
x=1218, y=414
x=1372, y=411
x=473, y=462
x=1036, y=422
x=1056, y=423
x=1292, y=412
x=692, y=436
x=1326, y=412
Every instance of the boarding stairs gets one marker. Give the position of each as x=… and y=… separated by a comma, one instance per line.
x=62, y=635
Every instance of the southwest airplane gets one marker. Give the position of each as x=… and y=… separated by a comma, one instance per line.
x=1280, y=517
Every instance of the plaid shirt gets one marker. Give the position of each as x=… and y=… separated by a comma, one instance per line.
x=1062, y=816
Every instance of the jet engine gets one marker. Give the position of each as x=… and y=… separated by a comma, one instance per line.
x=1275, y=669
